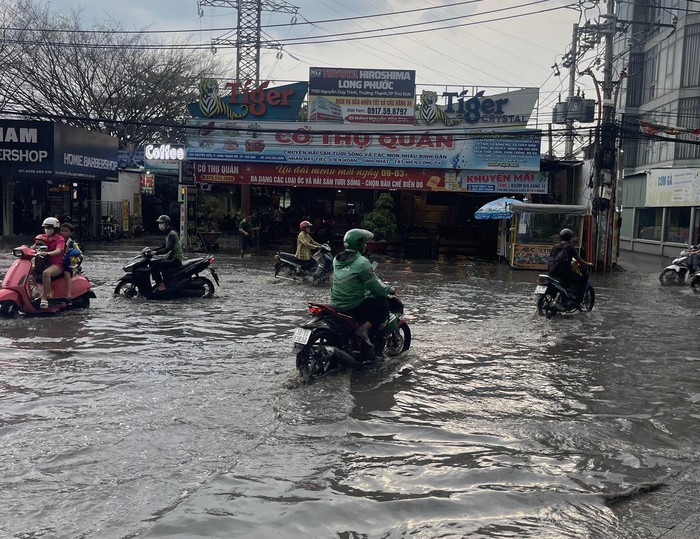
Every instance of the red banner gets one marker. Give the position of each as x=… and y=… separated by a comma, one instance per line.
x=334, y=177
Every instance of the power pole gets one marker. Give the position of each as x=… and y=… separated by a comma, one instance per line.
x=569, y=148
x=605, y=178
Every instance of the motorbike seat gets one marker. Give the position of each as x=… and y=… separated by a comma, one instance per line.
x=191, y=261
x=289, y=257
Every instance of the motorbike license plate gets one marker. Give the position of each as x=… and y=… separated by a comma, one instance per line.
x=301, y=336
x=540, y=289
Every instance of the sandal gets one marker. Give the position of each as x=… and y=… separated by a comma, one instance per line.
x=44, y=304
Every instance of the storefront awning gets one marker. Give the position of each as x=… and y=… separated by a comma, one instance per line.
x=570, y=209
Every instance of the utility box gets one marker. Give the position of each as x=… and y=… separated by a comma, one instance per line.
x=559, y=114
x=588, y=111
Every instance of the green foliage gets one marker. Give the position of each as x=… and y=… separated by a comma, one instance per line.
x=210, y=213
x=381, y=221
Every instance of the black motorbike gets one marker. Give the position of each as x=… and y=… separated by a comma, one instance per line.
x=290, y=267
x=329, y=341
x=182, y=282
x=553, y=297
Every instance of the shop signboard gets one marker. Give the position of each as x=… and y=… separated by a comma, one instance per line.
x=26, y=148
x=335, y=177
x=673, y=187
x=164, y=158
x=359, y=96
x=403, y=147
x=476, y=108
x=57, y=150
x=479, y=181
x=248, y=100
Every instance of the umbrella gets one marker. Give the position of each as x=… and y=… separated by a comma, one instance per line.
x=497, y=209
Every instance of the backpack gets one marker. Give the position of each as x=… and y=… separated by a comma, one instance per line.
x=559, y=261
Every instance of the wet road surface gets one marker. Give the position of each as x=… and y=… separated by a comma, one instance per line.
x=187, y=419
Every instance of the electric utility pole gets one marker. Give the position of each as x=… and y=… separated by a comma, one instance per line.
x=569, y=148
x=604, y=178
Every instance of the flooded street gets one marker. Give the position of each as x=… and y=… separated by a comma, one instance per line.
x=137, y=419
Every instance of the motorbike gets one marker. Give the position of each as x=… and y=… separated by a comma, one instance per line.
x=20, y=293
x=290, y=267
x=695, y=281
x=553, y=297
x=678, y=272
x=328, y=339
x=182, y=282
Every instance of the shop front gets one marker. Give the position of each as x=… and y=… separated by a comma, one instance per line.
x=52, y=169
x=535, y=230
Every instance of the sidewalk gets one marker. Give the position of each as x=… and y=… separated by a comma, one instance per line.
x=670, y=512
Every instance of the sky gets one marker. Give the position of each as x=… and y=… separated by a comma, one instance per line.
x=466, y=51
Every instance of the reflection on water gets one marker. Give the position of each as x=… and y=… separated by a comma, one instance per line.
x=153, y=419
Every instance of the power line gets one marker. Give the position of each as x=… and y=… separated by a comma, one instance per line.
x=295, y=41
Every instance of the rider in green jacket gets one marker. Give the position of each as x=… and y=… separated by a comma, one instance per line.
x=356, y=289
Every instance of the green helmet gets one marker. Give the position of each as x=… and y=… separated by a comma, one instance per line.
x=356, y=238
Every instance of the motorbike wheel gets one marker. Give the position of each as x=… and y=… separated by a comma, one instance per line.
x=284, y=271
x=126, y=289
x=588, y=299
x=545, y=305
x=313, y=361
x=206, y=285
x=399, y=341
x=669, y=276
x=8, y=309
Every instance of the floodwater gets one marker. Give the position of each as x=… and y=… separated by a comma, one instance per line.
x=137, y=419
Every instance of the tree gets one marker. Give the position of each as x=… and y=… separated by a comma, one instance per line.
x=381, y=221
x=102, y=78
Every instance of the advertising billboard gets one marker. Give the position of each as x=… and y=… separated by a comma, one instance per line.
x=673, y=187
x=358, y=96
x=335, y=177
x=373, y=145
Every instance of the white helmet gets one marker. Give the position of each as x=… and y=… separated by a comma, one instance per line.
x=51, y=221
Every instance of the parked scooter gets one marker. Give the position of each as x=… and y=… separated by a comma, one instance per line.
x=17, y=294
x=678, y=272
x=329, y=341
x=290, y=267
x=553, y=297
x=182, y=282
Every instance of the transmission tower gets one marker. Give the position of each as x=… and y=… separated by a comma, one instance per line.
x=247, y=37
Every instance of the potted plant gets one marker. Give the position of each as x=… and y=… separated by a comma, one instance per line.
x=136, y=224
x=210, y=215
x=381, y=221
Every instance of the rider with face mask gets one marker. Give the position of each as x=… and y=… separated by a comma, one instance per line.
x=171, y=247
x=357, y=289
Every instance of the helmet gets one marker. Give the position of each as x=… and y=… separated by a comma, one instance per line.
x=355, y=239
x=163, y=219
x=41, y=237
x=566, y=234
x=50, y=221
x=304, y=224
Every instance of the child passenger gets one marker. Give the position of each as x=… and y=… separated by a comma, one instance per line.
x=72, y=259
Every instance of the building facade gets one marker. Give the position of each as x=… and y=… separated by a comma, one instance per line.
x=658, y=63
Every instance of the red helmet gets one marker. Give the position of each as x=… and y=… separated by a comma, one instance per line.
x=41, y=237
x=304, y=224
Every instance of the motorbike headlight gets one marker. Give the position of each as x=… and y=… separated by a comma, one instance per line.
x=17, y=252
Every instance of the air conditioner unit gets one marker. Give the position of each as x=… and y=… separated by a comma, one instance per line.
x=205, y=186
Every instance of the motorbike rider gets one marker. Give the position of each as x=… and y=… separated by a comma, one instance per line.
x=357, y=289
x=171, y=247
x=566, y=252
x=56, y=245
x=304, y=245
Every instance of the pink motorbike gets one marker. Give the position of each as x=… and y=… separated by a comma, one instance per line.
x=18, y=295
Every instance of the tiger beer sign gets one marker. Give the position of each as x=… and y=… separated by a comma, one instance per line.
x=246, y=100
